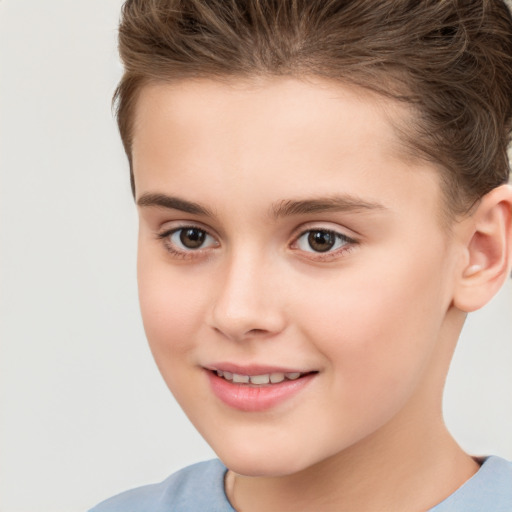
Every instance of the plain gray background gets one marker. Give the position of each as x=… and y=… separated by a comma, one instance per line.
x=84, y=412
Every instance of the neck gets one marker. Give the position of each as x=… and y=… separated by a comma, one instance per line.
x=407, y=476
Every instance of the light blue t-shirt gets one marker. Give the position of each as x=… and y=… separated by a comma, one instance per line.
x=200, y=488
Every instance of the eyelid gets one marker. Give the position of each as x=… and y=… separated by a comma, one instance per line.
x=169, y=227
x=325, y=226
x=165, y=233
x=351, y=241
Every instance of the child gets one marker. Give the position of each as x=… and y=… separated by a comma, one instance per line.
x=322, y=193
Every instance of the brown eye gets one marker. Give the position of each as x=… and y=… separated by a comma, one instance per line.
x=192, y=238
x=321, y=241
x=187, y=239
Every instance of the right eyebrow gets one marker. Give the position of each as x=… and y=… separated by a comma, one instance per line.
x=172, y=203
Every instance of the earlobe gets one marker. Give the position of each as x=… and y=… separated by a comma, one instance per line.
x=487, y=250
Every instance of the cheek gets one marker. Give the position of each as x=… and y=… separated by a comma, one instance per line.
x=377, y=329
x=170, y=305
x=172, y=313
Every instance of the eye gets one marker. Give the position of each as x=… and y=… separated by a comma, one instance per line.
x=322, y=241
x=187, y=239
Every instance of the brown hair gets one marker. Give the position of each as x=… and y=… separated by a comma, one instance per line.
x=450, y=60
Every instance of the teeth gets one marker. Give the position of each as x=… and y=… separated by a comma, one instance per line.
x=273, y=378
x=240, y=379
x=260, y=379
x=276, y=377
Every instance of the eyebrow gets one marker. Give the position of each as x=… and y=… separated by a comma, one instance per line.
x=174, y=203
x=345, y=203
x=285, y=208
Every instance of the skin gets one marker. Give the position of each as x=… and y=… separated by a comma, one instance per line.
x=376, y=317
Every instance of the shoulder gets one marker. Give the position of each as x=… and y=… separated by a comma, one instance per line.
x=195, y=488
x=490, y=489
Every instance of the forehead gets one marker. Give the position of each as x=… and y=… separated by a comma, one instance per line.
x=285, y=107
x=286, y=137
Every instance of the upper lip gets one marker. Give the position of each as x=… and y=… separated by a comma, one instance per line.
x=253, y=369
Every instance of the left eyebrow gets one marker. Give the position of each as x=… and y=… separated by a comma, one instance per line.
x=345, y=203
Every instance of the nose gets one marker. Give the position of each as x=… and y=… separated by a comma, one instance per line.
x=247, y=303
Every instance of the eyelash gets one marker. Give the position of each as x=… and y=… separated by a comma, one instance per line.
x=177, y=253
x=348, y=243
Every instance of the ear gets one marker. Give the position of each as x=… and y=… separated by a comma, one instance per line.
x=487, y=250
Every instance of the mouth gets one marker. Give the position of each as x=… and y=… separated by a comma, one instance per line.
x=257, y=389
x=260, y=380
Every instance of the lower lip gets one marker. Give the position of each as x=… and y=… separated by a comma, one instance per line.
x=251, y=398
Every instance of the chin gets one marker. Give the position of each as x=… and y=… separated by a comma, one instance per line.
x=260, y=468
x=260, y=462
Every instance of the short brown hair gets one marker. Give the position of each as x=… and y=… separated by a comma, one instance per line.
x=450, y=60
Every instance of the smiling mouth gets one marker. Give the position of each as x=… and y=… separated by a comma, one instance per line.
x=256, y=388
x=260, y=380
x=257, y=391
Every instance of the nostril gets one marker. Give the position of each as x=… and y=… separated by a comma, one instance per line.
x=257, y=331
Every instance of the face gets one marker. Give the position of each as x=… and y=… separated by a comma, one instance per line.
x=294, y=278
